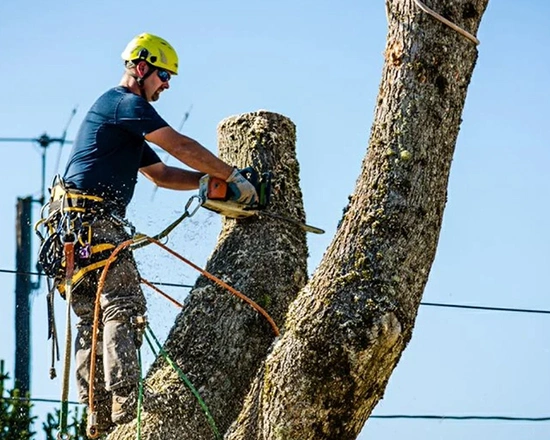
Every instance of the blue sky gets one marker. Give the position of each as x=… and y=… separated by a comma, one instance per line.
x=319, y=63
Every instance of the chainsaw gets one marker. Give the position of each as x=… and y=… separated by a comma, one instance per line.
x=216, y=195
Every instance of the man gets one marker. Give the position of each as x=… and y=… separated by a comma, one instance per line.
x=108, y=152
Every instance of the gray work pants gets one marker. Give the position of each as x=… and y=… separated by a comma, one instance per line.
x=122, y=300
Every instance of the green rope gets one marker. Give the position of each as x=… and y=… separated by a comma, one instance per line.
x=140, y=397
x=141, y=243
x=140, y=239
x=185, y=380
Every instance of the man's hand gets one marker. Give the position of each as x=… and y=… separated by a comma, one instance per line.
x=243, y=190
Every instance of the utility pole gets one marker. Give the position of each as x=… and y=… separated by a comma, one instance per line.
x=23, y=290
x=23, y=284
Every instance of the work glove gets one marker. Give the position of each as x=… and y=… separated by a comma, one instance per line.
x=242, y=191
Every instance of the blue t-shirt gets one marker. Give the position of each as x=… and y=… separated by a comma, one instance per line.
x=110, y=146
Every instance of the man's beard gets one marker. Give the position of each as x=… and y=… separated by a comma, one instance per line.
x=156, y=95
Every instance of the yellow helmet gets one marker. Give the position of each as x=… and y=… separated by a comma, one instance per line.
x=154, y=50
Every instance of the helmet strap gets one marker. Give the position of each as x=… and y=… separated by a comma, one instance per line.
x=141, y=80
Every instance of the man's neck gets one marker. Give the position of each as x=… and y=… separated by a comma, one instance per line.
x=130, y=83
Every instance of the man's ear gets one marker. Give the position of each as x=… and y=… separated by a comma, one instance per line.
x=142, y=68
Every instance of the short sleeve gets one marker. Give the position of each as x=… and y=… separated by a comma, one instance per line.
x=148, y=157
x=137, y=116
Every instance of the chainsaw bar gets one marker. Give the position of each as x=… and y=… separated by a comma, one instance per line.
x=304, y=226
x=236, y=210
x=228, y=208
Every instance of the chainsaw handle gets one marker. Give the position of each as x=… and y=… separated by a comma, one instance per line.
x=262, y=185
x=213, y=188
x=251, y=175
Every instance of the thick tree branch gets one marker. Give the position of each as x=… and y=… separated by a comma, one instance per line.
x=348, y=327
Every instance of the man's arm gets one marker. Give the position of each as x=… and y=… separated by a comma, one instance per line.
x=190, y=152
x=194, y=155
x=166, y=176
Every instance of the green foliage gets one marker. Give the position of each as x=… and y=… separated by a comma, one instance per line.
x=15, y=412
x=16, y=420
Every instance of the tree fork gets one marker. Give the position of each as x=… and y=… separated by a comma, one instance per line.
x=218, y=341
x=348, y=327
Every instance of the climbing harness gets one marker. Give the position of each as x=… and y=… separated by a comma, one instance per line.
x=70, y=211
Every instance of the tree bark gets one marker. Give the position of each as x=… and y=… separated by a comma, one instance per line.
x=345, y=331
x=219, y=341
x=348, y=327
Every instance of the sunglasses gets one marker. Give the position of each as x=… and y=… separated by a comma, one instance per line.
x=163, y=75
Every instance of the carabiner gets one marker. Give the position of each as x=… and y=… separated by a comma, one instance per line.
x=91, y=428
x=189, y=202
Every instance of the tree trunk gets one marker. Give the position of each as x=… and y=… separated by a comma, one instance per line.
x=346, y=330
x=348, y=327
x=219, y=341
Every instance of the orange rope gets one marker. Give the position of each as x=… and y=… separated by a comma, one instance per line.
x=223, y=284
x=101, y=284
x=92, y=429
x=69, y=260
x=156, y=289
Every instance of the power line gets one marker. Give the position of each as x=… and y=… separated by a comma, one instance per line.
x=35, y=399
x=16, y=272
x=494, y=309
x=467, y=417
x=157, y=283
x=440, y=417
x=44, y=140
x=430, y=304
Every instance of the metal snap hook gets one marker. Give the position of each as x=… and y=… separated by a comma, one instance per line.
x=196, y=208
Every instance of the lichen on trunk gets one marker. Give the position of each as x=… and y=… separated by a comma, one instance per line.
x=348, y=327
